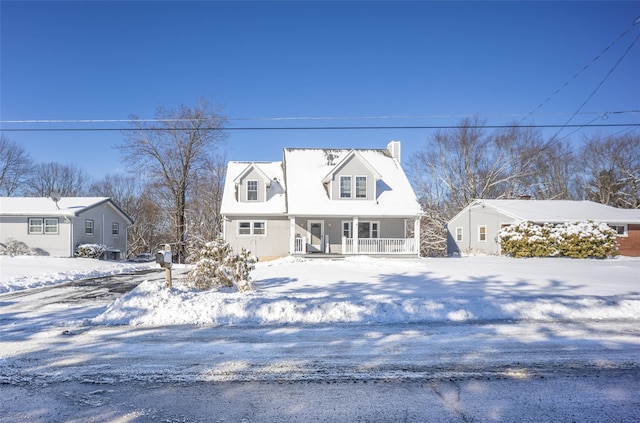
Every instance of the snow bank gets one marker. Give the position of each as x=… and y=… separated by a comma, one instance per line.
x=365, y=290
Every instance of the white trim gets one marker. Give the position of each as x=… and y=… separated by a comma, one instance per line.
x=625, y=229
x=350, y=185
x=355, y=187
x=461, y=230
x=320, y=247
x=256, y=191
x=252, y=227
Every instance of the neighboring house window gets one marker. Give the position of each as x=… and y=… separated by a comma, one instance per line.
x=51, y=225
x=258, y=227
x=36, y=225
x=482, y=233
x=361, y=187
x=252, y=190
x=368, y=229
x=459, y=234
x=115, y=229
x=345, y=187
x=88, y=227
x=621, y=230
x=346, y=229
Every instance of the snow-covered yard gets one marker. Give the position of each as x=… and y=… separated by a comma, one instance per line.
x=364, y=290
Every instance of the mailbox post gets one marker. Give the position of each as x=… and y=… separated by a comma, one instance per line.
x=163, y=258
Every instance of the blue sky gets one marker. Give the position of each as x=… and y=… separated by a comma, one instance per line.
x=435, y=60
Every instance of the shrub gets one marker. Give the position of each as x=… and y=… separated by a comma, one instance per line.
x=577, y=240
x=13, y=247
x=95, y=251
x=219, y=267
x=587, y=240
x=528, y=240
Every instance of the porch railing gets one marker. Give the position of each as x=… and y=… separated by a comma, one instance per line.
x=380, y=246
x=300, y=245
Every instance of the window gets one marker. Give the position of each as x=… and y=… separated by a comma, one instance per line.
x=244, y=228
x=115, y=229
x=361, y=187
x=346, y=229
x=459, y=234
x=252, y=190
x=51, y=225
x=345, y=187
x=36, y=225
x=368, y=229
x=88, y=227
x=482, y=233
x=621, y=230
x=257, y=228
x=47, y=225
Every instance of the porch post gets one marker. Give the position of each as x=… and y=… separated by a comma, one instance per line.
x=416, y=234
x=292, y=234
x=354, y=228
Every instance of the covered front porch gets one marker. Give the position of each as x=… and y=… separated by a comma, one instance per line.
x=355, y=236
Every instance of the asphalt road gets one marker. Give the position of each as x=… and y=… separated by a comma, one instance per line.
x=481, y=372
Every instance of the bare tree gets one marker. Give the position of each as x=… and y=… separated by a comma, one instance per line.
x=555, y=176
x=173, y=152
x=15, y=165
x=67, y=179
x=610, y=170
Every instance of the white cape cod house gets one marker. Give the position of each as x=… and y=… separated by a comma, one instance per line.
x=58, y=227
x=331, y=201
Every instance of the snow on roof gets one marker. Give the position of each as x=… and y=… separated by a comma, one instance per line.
x=306, y=169
x=276, y=202
x=39, y=206
x=556, y=211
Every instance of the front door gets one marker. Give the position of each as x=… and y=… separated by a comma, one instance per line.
x=316, y=235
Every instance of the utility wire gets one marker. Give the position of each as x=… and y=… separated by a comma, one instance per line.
x=319, y=128
x=582, y=70
x=600, y=84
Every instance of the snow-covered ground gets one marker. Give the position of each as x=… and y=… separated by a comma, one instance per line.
x=364, y=290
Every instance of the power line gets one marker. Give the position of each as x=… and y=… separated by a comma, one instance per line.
x=293, y=118
x=583, y=69
x=321, y=128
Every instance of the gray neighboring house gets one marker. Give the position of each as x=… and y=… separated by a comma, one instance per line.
x=59, y=227
x=327, y=201
x=475, y=229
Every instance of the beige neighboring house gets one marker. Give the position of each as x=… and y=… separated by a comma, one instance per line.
x=58, y=227
x=322, y=201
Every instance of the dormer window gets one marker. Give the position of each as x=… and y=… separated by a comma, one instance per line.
x=345, y=187
x=252, y=190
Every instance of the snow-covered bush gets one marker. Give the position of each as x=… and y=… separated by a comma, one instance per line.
x=219, y=267
x=577, y=240
x=528, y=240
x=91, y=250
x=13, y=247
x=586, y=240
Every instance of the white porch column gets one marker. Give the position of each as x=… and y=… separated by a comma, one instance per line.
x=292, y=234
x=354, y=229
x=416, y=234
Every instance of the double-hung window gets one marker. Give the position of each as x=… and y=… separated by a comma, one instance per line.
x=252, y=190
x=88, y=227
x=621, y=230
x=346, y=229
x=47, y=225
x=115, y=229
x=345, y=187
x=252, y=227
x=482, y=233
x=459, y=233
x=361, y=187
